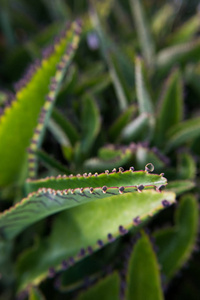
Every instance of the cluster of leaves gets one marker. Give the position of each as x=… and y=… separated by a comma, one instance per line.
x=118, y=87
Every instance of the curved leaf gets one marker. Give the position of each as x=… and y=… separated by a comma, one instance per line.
x=55, y=194
x=106, y=289
x=22, y=116
x=87, y=228
x=143, y=279
x=176, y=244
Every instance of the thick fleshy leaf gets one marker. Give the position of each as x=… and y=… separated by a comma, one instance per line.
x=91, y=123
x=22, y=115
x=185, y=32
x=121, y=122
x=106, y=289
x=35, y=294
x=172, y=97
x=136, y=129
x=51, y=163
x=105, y=45
x=180, y=186
x=175, y=244
x=88, y=228
x=182, y=133
x=143, y=278
x=51, y=195
x=186, y=168
x=177, y=55
x=66, y=125
x=162, y=20
x=143, y=96
x=143, y=32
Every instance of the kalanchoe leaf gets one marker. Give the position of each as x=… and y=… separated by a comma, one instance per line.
x=123, y=120
x=175, y=244
x=51, y=163
x=186, y=31
x=143, y=32
x=186, y=168
x=35, y=294
x=162, y=20
x=178, y=55
x=66, y=125
x=105, y=45
x=50, y=99
x=172, y=97
x=54, y=194
x=21, y=117
x=143, y=276
x=107, y=288
x=91, y=123
x=88, y=227
x=180, y=186
x=182, y=133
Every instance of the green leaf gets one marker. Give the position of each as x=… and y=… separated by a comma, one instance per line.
x=180, y=186
x=136, y=129
x=91, y=123
x=162, y=20
x=35, y=294
x=186, y=31
x=182, y=133
x=143, y=32
x=143, y=96
x=99, y=164
x=106, y=289
x=86, y=229
x=51, y=163
x=177, y=55
x=52, y=194
x=66, y=126
x=21, y=117
x=143, y=279
x=105, y=45
x=119, y=124
x=186, y=168
x=175, y=245
x=171, y=98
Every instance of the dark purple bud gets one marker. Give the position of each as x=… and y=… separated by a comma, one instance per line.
x=140, y=187
x=90, y=250
x=121, y=169
x=71, y=260
x=122, y=230
x=165, y=203
x=65, y=265
x=121, y=189
x=91, y=190
x=52, y=272
x=136, y=220
x=104, y=189
x=132, y=169
x=110, y=237
x=100, y=243
x=82, y=252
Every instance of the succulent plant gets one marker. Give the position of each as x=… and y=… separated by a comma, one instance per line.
x=118, y=88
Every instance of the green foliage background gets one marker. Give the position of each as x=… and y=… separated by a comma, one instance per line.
x=117, y=87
